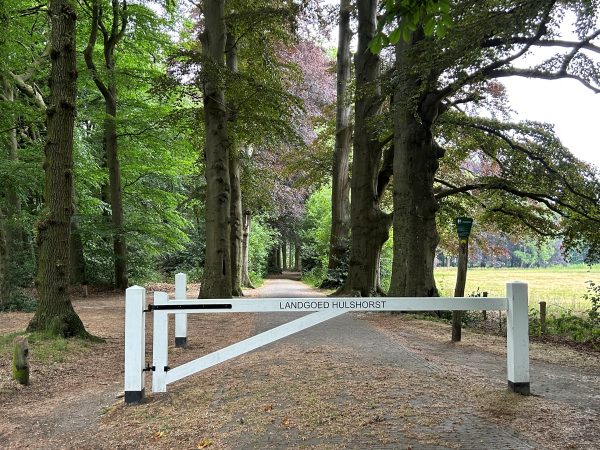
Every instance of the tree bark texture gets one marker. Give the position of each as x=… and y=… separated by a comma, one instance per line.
x=415, y=164
x=235, y=212
x=246, y=282
x=108, y=90
x=284, y=255
x=340, y=187
x=55, y=312
x=217, y=266
x=370, y=226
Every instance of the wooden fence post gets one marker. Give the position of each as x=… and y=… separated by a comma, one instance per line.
x=181, y=318
x=20, y=365
x=459, y=290
x=543, y=317
x=485, y=294
x=517, y=337
x=135, y=343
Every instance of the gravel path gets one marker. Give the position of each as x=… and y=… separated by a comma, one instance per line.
x=357, y=342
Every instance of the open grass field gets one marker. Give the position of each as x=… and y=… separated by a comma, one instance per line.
x=562, y=287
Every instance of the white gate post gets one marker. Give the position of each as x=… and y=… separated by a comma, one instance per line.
x=517, y=337
x=160, y=343
x=135, y=343
x=181, y=318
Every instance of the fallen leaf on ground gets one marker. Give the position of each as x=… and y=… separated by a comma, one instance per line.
x=204, y=443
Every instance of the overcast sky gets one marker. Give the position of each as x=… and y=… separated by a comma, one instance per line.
x=573, y=109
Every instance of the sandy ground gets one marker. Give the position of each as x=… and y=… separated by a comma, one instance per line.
x=358, y=381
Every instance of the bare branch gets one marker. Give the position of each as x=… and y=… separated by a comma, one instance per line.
x=543, y=75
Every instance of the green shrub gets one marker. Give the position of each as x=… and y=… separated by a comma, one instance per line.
x=18, y=300
x=262, y=240
x=593, y=296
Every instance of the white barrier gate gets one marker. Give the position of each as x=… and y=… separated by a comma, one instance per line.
x=322, y=308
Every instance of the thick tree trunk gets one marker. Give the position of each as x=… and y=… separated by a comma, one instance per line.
x=246, y=282
x=415, y=164
x=55, y=313
x=235, y=212
x=284, y=255
x=370, y=226
x=340, y=188
x=217, y=266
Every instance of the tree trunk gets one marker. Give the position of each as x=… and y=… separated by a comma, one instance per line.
x=235, y=212
x=340, y=188
x=370, y=226
x=298, y=258
x=55, y=312
x=116, y=191
x=4, y=287
x=246, y=282
x=415, y=164
x=284, y=255
x=236, y=226
x=278, y=259
x=217, y=266
x=109, y=93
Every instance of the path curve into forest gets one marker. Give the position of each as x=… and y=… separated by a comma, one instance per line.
x=361, y=380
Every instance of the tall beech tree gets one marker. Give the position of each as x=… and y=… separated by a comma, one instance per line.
x=112, y=33
x=370, y=225
x=235, y=207
x=436, y=74
x=340, y=182
x=217, y=267
x=55, y=313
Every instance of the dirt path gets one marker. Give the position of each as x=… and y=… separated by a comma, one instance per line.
x=357, y=381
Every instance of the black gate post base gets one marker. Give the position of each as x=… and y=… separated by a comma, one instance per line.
x=134, y=396
x=519, y=388
x=181, y=342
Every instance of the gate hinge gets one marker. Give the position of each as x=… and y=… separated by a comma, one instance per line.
x=149, y=368
x=167, y=368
